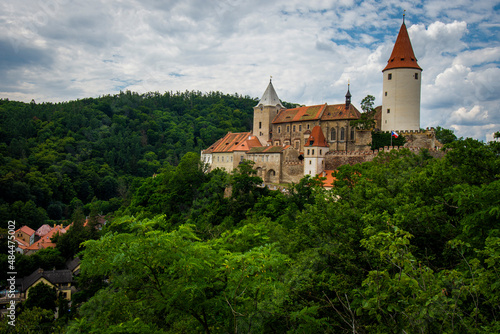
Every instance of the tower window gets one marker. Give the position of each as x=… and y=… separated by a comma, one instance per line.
x=312, y=152
x=385, y=93
x=388, y=111
x=260, y=125
x=389, y=76
x=279, y=129
x=416, y=76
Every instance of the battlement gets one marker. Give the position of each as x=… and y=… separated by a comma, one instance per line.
x=428, y=131
x=375, y=152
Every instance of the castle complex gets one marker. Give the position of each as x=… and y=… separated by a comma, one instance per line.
x=286, y=144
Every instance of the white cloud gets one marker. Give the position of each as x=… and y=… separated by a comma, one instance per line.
x=63, y=50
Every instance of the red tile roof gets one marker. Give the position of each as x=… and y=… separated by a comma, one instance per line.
x=242, y=141
x=45, y=242
x=317, y=138
x=402, y=55
x=317, y=112
x=26, y=230
x=329, y=178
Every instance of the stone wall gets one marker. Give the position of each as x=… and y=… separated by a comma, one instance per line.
x=334, y=160
x=292, y=172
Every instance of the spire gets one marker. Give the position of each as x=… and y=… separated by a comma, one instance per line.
x=348, y=97
x=402, y=55
x=270, y=98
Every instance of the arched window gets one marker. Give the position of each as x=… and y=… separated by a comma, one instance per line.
x=352, y=133
x=342, y=134
x=333, y=134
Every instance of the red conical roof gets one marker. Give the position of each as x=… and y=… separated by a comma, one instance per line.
x=402, y=55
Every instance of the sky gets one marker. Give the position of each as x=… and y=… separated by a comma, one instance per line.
x=61, y=50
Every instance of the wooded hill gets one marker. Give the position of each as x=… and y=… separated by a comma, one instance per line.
x=406, y=243
x=57, y=157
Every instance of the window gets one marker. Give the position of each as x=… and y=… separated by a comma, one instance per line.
x=279, y=129
x=312, y=152
x=300, y=128
x=416, y=76
x=307, y=126
x=385, y=93
x=333, y=134
x=308, y=152
x=342, y=134
x=352, y=133
x=310, y=162
x=389, y=76
x=320, y=152
x=241, y=158
x=260, y=125
x=288, y=128
x=388, y=111
x=294, y=128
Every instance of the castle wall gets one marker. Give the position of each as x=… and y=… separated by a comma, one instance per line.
x=334, y=160
x=292, y=172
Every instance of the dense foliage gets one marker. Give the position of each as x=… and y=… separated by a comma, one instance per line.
x=57, y=157
x=406, y=243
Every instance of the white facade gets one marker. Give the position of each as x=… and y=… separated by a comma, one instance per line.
x=314, y=160
x=401, y=99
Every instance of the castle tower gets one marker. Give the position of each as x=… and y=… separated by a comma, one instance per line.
x=401, y=87
x=264, y=113
x=315, y=150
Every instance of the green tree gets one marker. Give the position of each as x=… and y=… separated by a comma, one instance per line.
x=445, y=136
x=43, y=296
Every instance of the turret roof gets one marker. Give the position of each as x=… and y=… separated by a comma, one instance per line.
x=402, y=55
x=270, y=98
x=317, y=138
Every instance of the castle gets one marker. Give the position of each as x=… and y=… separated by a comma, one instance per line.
x=287, y=144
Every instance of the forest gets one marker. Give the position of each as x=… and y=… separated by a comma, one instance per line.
x=404, y=244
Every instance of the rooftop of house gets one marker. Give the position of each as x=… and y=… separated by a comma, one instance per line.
x=329, y=178
x=43, y=230
x=45, y=241
x=29, y=231
x=53, y=276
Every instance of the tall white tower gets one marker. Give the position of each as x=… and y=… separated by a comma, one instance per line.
x=264, y=113
x=401, y=87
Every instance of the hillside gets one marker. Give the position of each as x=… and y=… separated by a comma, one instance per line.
x=56, y=157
